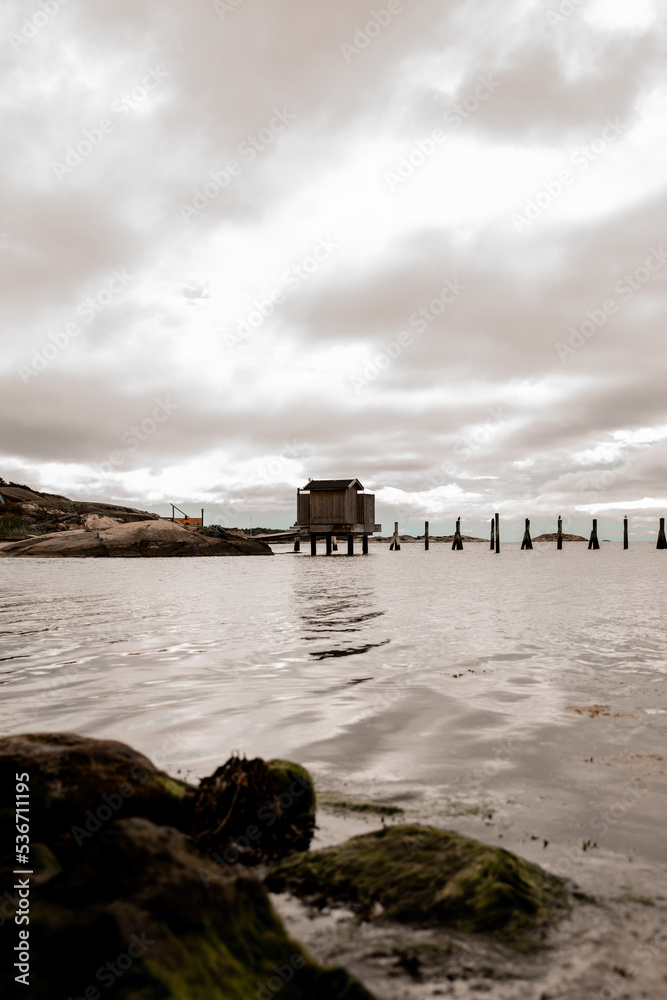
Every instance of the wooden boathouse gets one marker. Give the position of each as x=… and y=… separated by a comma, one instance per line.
x=329, y=508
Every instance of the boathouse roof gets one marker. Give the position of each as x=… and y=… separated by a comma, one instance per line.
x=332, y=484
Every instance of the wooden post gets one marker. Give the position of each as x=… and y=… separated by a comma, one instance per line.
x=493, y=535
x=364, y=545
x=426, y=539
x=625, y=532
x=559, y=540
x=527, y=542
x=395, y=545
x=662, y=541
x=457, y=544
x=297, y=544
x=327, y=538
x=313, y=545
x=350, y=545
x=173, y=514
x=334, y=543
x=497, y=533
x=202, y=517
x=593, y=542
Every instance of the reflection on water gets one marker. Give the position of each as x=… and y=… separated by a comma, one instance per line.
x=326, y=612
x=403, y=667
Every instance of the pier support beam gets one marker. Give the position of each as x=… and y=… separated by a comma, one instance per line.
x=313, y=545
x=364, y=545
x=426, y=538
x=493, y=534
x=497, y=533
x=328, y=541
x=593, y=542
x=395, y=544
x=559, y=539
x=662, y=541
x=457, y=544
x=297, y=545
x=625, y=532
x=527, y=542
x=350, y=545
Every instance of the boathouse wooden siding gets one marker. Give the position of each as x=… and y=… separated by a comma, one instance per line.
x=338, y=505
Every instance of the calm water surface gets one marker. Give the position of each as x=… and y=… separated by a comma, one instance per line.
x=443, y=679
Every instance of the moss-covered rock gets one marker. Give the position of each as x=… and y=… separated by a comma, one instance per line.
x=425, y=875
x=141, y=913
x=254, y=810
x=78, y=784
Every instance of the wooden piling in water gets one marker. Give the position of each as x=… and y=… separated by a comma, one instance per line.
x=457, y=544
x=559, y=537
x=350, y=545
x=426, y=538
x=493, y=535
x=364, y=545
x=395, y=544
x=327, y=539
x=593, y=542
x=662, y=540
x=625, y=532
x=297, y=545
x=497, y=519
x=527, y=542
x=313, y=545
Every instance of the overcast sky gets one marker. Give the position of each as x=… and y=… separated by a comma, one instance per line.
x=246, y=242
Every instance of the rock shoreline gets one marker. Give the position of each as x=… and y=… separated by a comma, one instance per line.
x=106, y=537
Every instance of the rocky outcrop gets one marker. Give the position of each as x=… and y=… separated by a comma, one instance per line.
x=122, y=898
x=102, y=537
x=552, y=536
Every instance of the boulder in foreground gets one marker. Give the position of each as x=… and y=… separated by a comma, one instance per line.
x=420, y=874
x=134, y=539
x=135, y=914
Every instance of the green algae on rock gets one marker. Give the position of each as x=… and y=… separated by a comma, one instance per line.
x=254, y=810
x=421, y=874
x=134, y=913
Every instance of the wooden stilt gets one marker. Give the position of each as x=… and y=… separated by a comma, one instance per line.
x=202, y=517
x=327, y=539
x=313, y=545
x=662, y=541
x=364, y=544
x=395, y=545
x=493, y=535
x=497, y=533
x=350, y=545
x=527, y=542
x=625, y=532
x=457, y=544
x=297, y=545
x=559, y=540
x=334, y=543
x=426, y=538
x=593, y=542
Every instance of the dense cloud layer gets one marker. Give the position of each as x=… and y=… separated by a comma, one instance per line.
x=245, y=243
